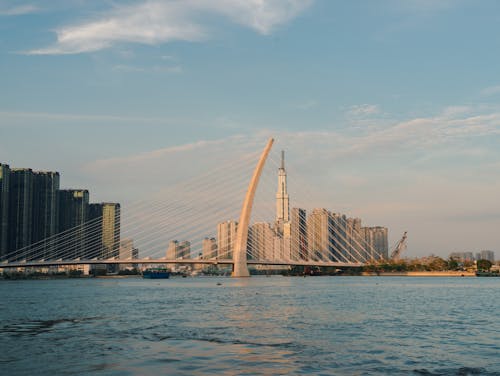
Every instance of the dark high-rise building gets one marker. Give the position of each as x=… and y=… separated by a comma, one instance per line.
x=103, y=230
x=339, y=237
x=4, y=208
x=45, y=212
x=73, y=214
x=94, y=247
x=298, y=234
x=20, y=209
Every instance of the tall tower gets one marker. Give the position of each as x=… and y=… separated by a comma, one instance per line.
x=282, y=199
x=73, y=213
x=4, y=208
x=20, y=208
x=45, y=210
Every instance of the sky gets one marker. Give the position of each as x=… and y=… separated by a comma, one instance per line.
x=388, y=110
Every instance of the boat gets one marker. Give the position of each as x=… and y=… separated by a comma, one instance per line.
x=156, y=273
x=483, y=273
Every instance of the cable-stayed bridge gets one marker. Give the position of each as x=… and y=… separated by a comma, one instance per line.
x=230, y=215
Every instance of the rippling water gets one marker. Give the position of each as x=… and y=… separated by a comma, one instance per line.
x=276, y=325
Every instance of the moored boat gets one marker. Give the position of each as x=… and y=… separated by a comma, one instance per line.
x=156, y=273
x=487, y=274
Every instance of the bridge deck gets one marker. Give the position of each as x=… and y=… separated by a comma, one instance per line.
x=42, y=263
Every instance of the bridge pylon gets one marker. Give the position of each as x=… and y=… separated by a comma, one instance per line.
x=240, y=266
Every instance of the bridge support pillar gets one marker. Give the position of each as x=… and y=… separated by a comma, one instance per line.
x=240, y=266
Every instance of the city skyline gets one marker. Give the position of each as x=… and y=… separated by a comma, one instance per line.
x=409, y=141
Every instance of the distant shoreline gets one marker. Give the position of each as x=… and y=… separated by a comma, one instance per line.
x=420, y=274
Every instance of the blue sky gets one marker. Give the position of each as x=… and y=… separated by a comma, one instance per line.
x=394, y=104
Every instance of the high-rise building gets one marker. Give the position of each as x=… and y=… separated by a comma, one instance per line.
x=103, y=230
x=127, y=250
x=20, y=210
x=208, y=248
x=376, y=242
x=110, y=229
x=462, y=256
x=93, y=229
x=380, y=242
x=486, y=255
x=298, y=234
x=226, y=237
x=338, y=230
x=73, y=215
x=45, y=211
x=319, y=235
x=184, y=250
x=172, y=250
x=355, y=239
x=282, y=199
x=261, y=243
x=4, y=209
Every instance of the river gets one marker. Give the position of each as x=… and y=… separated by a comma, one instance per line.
x=253, y=326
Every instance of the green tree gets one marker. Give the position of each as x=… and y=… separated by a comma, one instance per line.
x=484, y=265
x=452, y=264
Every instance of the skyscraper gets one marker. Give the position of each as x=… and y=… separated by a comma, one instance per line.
x=172, y=250
x=319, y=235
x=338, y=232
x=45, y=211
x=298, y=234
x=20, y=209
x=261, y=241
x=208, y=248
x=486, y=255
x=110, y=229
x=4, y=209
x=184, y=250
x=282, y=199
x=375, y=240
x=226, y=237
x=103, y=230
x=73, y=214
x=380, y=241
x=355, y=240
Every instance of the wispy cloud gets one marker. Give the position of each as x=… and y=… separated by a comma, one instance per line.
x=18, y=10
x=154, y=22
x=448, y=130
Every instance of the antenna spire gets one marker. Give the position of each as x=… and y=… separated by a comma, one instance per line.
x=283, y=159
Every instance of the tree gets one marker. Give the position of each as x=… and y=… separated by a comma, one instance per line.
x=484, y=264
x=452, y=264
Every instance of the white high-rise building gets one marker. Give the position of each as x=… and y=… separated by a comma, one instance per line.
x=282, y=199
x=226, y=238
x=261, y=241
x=172, y=250
x=208, y=248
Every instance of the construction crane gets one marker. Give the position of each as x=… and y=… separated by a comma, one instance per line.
x=399, y=248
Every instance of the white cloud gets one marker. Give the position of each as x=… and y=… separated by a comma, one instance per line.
x=154, y=22
x=18, y=10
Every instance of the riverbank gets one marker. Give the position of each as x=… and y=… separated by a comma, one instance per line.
x=448, y=273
